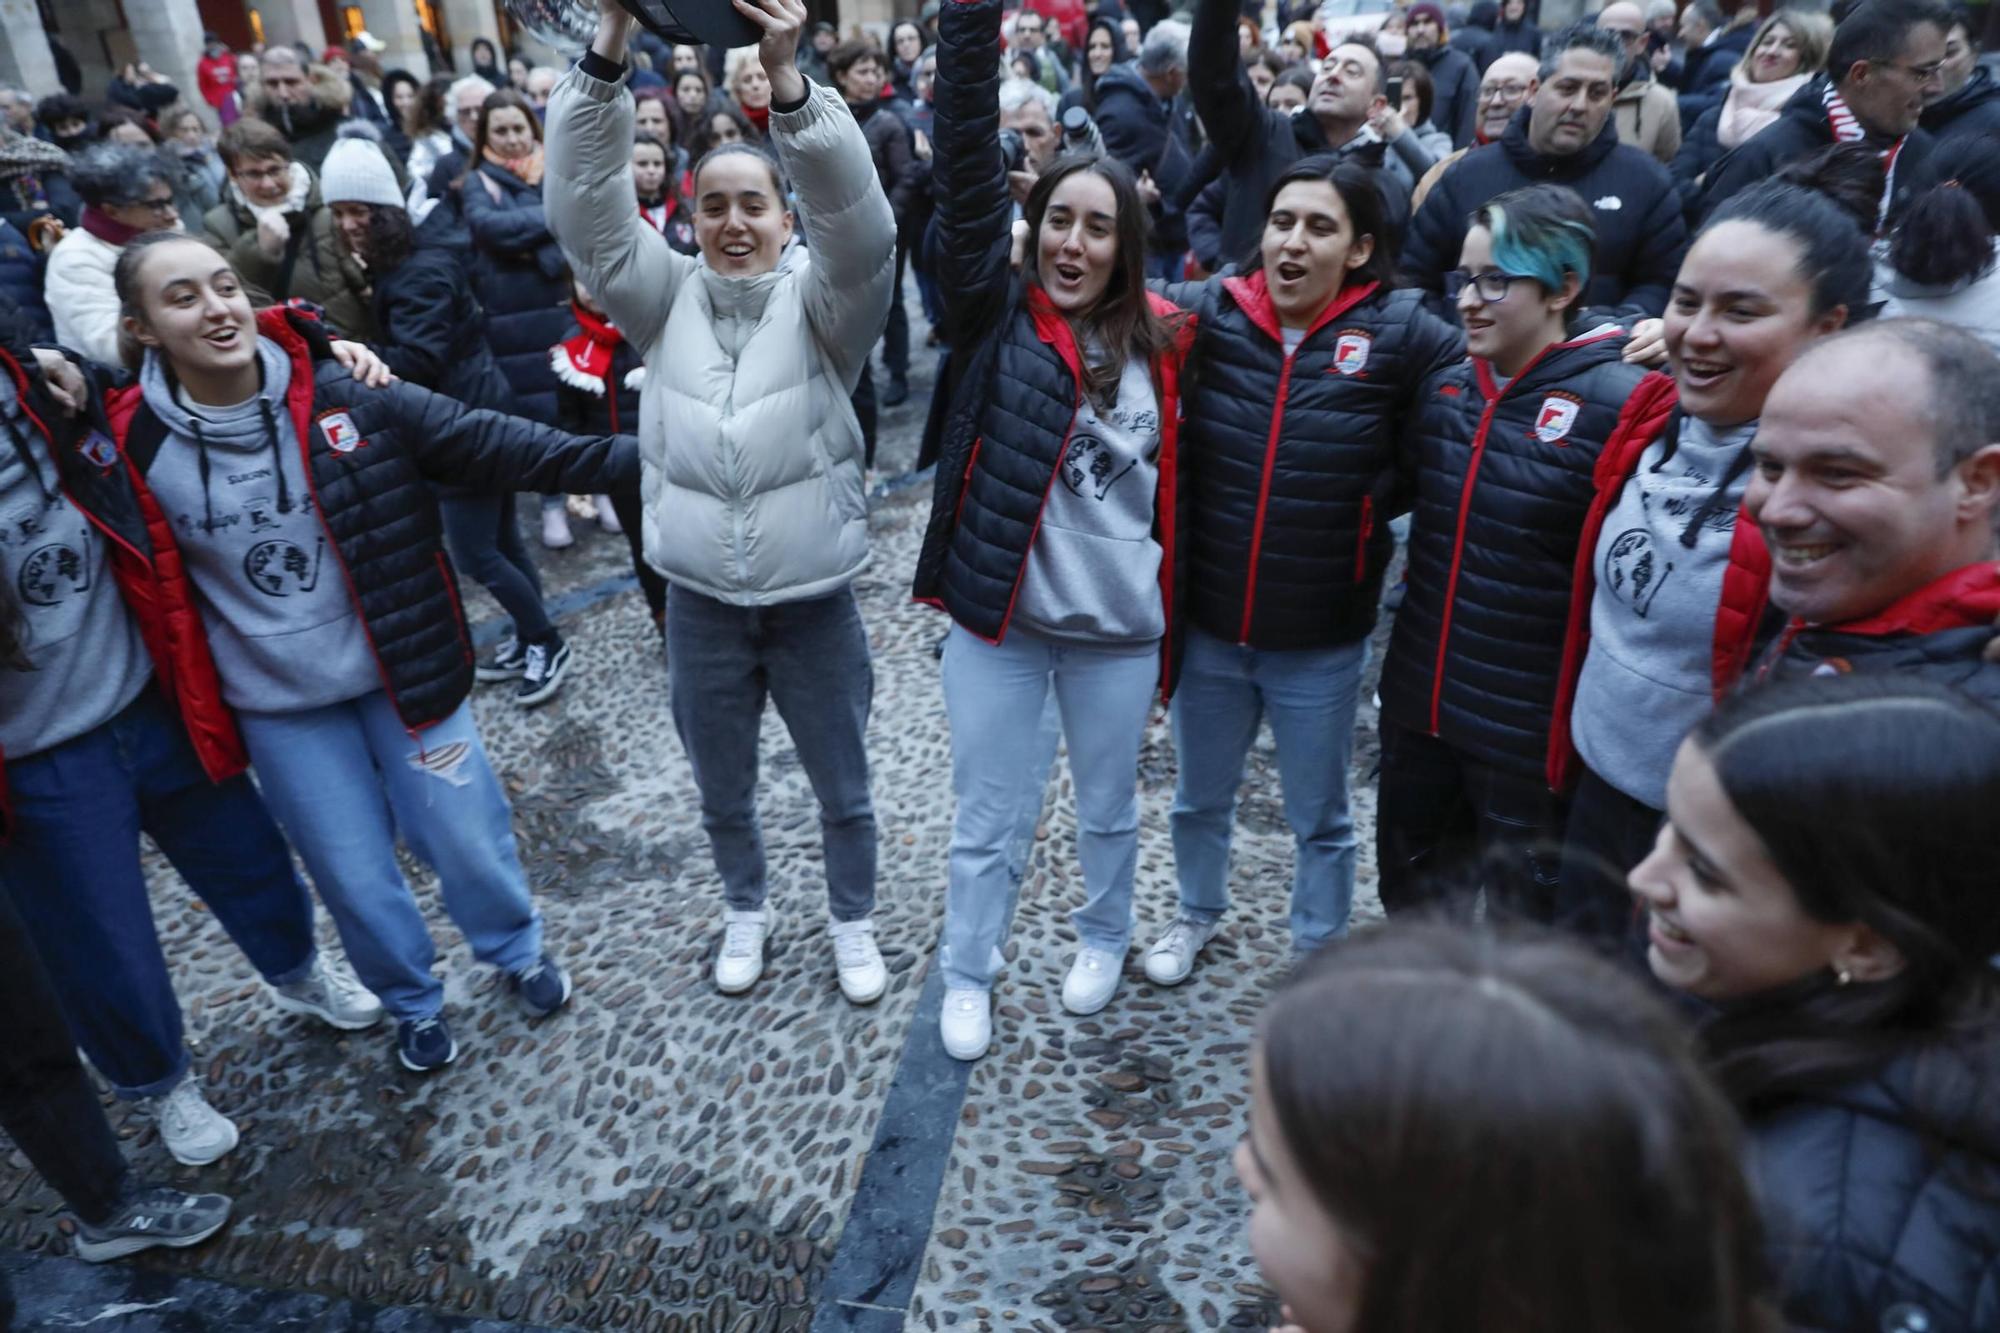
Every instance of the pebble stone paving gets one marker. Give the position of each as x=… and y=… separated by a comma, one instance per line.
x=661, y=1157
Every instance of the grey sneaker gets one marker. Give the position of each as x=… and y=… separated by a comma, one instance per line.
x=194, y=1132
x=152, y=1215
x=1172, y=956
x=332, y=994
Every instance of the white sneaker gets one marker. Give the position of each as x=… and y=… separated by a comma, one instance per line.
x=607, y=517
x=332, y=994
x=1172, y=956
x=741, y=961
x=194, y=1132
x=1092, y=980
x=966, y=1023
x=863, y=978
x=555, y=528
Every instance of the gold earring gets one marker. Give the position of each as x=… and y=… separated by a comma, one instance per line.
x=1843, y=975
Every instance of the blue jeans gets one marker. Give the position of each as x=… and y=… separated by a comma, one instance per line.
x=993, y=695
x=811, y=659
x=1309, y=696
x=344, y=780
x=72, y=870
x=484, y=536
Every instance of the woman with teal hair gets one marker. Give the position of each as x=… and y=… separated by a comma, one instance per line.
x=1499, y=471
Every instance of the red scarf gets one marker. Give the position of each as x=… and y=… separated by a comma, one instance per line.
x=1841, y=121
x=584, y=362
x=107, y=228
x=760, y=116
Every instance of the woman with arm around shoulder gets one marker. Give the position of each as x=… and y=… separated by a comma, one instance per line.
x=331, y=612
x=1645, y=655
x=751, y=481
x=1504, y=456
x=1824, y=883
x=1311, y=368
x=1053, y=535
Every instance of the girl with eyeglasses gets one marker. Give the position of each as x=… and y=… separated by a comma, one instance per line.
x=1503, y=461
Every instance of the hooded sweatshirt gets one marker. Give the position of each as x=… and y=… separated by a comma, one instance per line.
x=1661, y=558
x=232, y=482
x=86, y=659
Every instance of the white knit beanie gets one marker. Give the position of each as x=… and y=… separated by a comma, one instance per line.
x=356, y=172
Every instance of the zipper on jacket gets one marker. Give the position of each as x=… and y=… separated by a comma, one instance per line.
x=965, y=482
x=1367, y=531
x=1264, y=499
x=1021, y=574
x=1458, y=554
x=457, y=611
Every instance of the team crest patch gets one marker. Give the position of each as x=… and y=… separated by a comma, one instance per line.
x=1558, y=415
x=341, y=435
x=1350, y=353
x=98, y=448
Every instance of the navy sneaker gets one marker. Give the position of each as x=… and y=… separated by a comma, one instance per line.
x=152, y=1215
x=542, y=989
x=542, y=674
x=424, y=1044
x=509, y=660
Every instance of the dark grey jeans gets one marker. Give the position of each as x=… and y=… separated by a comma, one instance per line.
x=809, y=658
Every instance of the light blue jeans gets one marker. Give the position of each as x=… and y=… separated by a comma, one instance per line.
x=993, y=695
x=343, y=781
x=1309, y=695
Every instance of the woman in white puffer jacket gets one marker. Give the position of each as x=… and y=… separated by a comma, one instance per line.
x=754, y=508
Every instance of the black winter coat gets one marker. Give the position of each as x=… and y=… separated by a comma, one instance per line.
x=1291, y=459
x=1700, y=150
x=1971, y=111
x=21, y=283
x=1705, y=72
x=375, y=500
x=522, y=281
x=1503, y=479
x=1864, y=1215
x=1523, y=36
x=1014, y=382
x=1257, y=143
x=1455, y=97
x=433, y=332
x=1801, y=130
x=1150, y=134
x=1640, y=232
x=896, y=163
x=1477, y=41
x=1940, y=633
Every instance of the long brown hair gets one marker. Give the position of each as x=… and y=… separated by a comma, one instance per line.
x=1122, y=322
x=1514, y=1136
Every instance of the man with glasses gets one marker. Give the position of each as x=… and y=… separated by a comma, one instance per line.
x=1564, y=135
x=1648, y=116
x=1887, y=60
x=1031, y=37
x=126, y=193
x=1504, y=89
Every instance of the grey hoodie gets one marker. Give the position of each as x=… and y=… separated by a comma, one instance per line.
x=232, y=482
x=86, y=657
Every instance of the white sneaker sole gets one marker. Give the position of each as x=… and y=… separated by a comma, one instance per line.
x=546, y=690
x=1089, y=1007
x=103, y=1251
x=967, y=1053
x=856, y=995
x=292, y=1005
x=738, y=988
x=186, y=1159
x=488, y=675
x=449, y=1056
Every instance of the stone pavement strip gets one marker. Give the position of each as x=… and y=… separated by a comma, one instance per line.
x=662, y=1157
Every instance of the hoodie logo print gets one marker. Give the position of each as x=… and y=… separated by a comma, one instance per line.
x=278, y=568
x=52, y=573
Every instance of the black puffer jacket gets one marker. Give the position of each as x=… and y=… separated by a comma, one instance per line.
x=375, y=500
x=1014, y=383
x=1802, y=129
x=1641, y=235
x=1701, y=148
x=433, y=332
x=521, y=279
x=1972, y=111
x=1503, y=480
x=1939, y=632
x=1291, y=459
x=1865, y=1217
x=1455, y=99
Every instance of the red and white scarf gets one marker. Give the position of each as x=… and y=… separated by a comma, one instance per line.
x=584, y=361
x=1840, y=119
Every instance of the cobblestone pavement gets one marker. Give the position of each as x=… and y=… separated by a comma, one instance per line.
x=662, y=1157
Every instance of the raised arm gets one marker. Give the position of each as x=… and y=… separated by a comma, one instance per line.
x=975, y=212
x=587, y=192
x=1223, y=98
x=492, y=451
x=850, y=232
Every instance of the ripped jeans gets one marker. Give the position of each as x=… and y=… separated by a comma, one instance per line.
x=343, y=781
